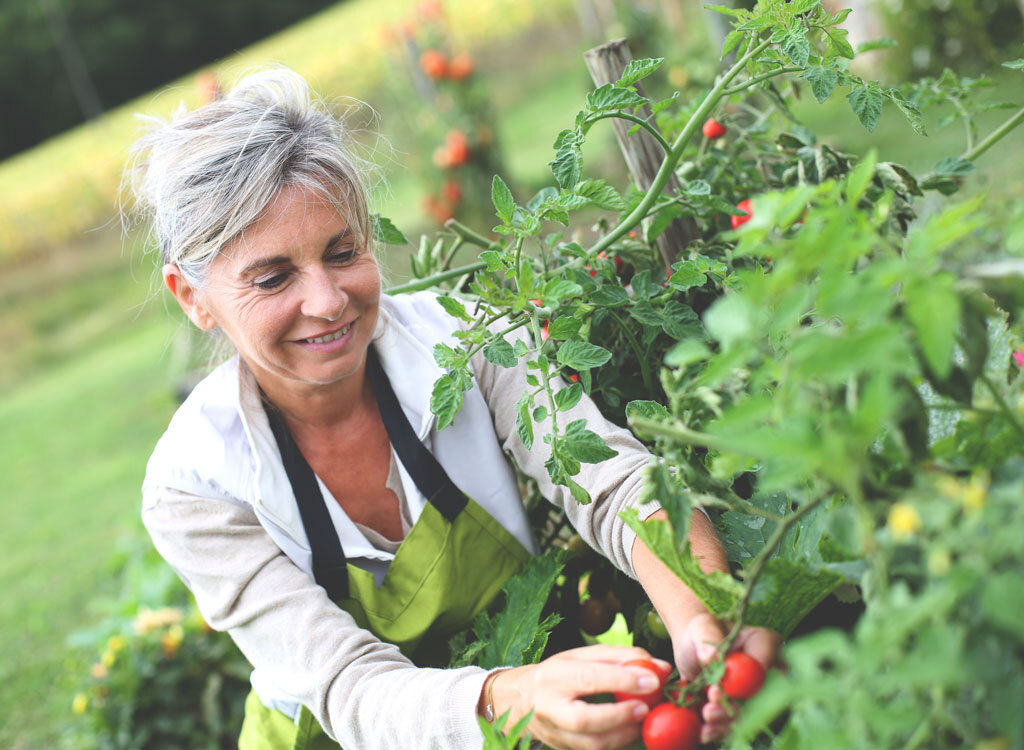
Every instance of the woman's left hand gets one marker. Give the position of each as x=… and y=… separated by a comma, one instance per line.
x=695, y=646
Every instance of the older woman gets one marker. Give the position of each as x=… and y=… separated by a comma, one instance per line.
x=302, y=491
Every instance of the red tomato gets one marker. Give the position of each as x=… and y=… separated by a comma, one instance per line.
x=544, y=332
x=743, y=676
x=461, y=67
x=451, y=191
x=434, y=64
x=654, y=697
x=458, y=147
x=738, y=221
x=713, y=129
x=670, y=727
x=574, y=377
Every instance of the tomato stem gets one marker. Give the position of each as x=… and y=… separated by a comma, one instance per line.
x=429, y=281
x=655, y=133
x=994, y=137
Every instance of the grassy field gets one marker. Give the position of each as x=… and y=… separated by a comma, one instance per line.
x=88, y=368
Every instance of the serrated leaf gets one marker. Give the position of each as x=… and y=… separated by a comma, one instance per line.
x=881, y=43
x=386, y=232
x=512, y=634
x=445, y=401
x=758, y=23
x=680, y=321
x=797, y=47
x=823, y=81
x=836, y=40
x=646, y=409
x=866, y=103
x=802, y=6
x=609, y=295
x=524, y=424
x=638, y=69
x=501, y=197
x=585, y=445
x=645, y=313
x=954, y=166
x=732, y=39
x=687, y=275
x=500, y=352
x=558, y=289
x=698, y=187
x=567, y=398
x=564, y=327
x=581, y=355
x=454, y=308
x=609, y=98
x=909, y=110
x=567, y=166
x=1015, y=64
x=601, y=194
x=725, y=10
x=493, y=260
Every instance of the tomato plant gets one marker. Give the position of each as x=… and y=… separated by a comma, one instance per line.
x=845, y=412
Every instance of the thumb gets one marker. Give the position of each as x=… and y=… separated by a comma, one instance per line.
x=706, y=634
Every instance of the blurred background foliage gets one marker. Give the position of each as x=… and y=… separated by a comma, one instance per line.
x=93, y=354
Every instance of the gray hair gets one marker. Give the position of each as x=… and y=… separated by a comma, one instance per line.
x=205, y=176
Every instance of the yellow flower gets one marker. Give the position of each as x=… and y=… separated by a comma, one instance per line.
x=150, y=619
x=975, y=492
x=172, y=639
x=108, y=658
x=99, y=671
x=904, y=520
x=115, y=644
x=79, y=704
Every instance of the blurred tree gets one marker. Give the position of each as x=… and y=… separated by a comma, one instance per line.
x=125, y=47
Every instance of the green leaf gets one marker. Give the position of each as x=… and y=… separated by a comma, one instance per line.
x=493, y=260
x=698, y=187
x=732, y=39
x=823, y=81
x=609, y=98
x=933, y=307
x=662, y=220
x=954, y=166
x=567, y=166
x=796, y=7
x=609, y=295
x=512, y=633
x=540, y=414
x=797, y=47
x=881, y=43
x=558, y=289
x=454, y=308
x=500, y=352
x=581, y=355
x=1015, y=64
x=386, y=232
x=638, y=69
x=501, y=197
x=601, y=194
x=564, y=327
x=446, y=357
x=687, y=352
x=584, y=445
x=725, y=10
x=859, y=179
x=645, y=313
x=687, y=275
x=524, y=425
x=909, y=110
x=680, y=321
x=837, y=43
x=567, y=398
x=646, y=409
x=445, y=401
x=866, y=103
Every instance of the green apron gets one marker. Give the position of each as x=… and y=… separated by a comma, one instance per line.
x=448, y=568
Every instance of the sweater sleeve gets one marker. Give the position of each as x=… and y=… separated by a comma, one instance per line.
x=614, y=484
x=364, y=692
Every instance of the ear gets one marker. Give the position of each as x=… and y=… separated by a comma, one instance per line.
x=188, y=297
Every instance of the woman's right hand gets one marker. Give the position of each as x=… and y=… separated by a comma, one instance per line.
x=553, y=690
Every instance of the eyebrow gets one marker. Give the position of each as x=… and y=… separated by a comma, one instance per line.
x=275, y=260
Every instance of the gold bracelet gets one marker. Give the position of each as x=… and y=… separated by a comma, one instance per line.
x=489, y=694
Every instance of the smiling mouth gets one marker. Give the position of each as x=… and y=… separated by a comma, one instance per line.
x=328, y=337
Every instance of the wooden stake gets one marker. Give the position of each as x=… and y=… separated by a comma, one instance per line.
x=642, y=152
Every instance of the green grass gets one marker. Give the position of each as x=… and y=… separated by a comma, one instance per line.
x=75, y=443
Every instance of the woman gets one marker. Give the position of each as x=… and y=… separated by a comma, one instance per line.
x=302, y=492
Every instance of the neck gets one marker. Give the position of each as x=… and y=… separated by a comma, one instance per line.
x=319, y=407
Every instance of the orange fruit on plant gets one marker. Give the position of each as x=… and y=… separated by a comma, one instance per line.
x=461, y=67
x=434, y=64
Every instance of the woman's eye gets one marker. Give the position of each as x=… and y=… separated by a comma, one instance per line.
x=272, y=282
x=342, y=256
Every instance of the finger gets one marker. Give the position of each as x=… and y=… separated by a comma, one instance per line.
x=706, y=634
x=606, y=653
x=610, y=740
x=712, y=733
x=577, y=678
x=580, y=717
x=760, y=643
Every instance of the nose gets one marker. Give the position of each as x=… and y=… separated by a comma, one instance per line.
x=323, y=296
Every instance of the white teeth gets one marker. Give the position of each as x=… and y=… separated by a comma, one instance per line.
x=330, y=337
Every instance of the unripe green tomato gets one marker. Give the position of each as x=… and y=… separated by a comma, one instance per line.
x=656, y=625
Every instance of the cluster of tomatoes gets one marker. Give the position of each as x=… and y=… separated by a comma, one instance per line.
x=438, y=66
x=442, y=207
x=713, y=130
x=674, y=722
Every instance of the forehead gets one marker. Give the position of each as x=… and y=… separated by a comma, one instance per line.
x=296, y=219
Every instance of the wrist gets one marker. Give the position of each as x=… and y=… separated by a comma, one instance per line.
x=485, y=704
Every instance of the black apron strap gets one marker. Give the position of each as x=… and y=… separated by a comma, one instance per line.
x=330, y=568
x=430, y=477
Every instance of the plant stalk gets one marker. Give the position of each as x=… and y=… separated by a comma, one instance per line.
x=973, y=153
x=429, y=281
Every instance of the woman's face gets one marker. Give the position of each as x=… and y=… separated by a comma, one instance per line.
x=296, y=294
